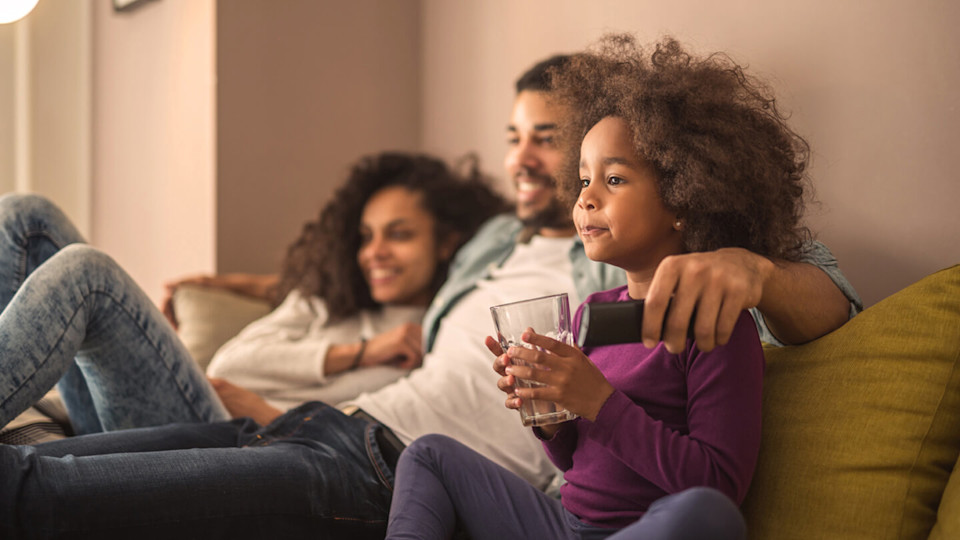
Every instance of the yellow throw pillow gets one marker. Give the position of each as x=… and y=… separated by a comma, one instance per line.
x=948, y=517
x=861, y=428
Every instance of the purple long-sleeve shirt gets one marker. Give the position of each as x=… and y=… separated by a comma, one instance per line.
x=675, y=421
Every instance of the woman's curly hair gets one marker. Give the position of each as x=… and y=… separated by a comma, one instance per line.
x=323, y=260
x=726, y=161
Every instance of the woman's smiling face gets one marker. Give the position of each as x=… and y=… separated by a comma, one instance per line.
x=619, y=214
x=399, y=252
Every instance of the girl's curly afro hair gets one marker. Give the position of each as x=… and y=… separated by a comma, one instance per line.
x=726, y=161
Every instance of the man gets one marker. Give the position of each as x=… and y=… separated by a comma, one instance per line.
x=317, y=470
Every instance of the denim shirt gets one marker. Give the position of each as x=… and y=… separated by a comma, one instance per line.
x=816, y=254
x=494, y=243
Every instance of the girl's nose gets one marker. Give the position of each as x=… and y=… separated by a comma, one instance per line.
x=587, y=199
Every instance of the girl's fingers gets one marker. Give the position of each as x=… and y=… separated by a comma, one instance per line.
x=547, y=343
x=533, y=356
x=534, y=374
x=506, y=384
x=493, y=346
x=545, y=393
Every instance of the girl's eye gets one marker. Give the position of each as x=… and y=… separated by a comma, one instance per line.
x=614, y=181
x=584, y=182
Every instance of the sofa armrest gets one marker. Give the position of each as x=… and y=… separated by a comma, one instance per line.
x=209, y=317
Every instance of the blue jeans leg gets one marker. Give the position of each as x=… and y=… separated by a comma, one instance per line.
x=32, y=229
x=81, y=305
x=313, y=473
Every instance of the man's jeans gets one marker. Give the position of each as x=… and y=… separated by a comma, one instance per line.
x=70, y=311
x=312, y=473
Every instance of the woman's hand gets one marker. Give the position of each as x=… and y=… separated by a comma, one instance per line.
x=402, y=346
x=572, y=380
x=241, y=402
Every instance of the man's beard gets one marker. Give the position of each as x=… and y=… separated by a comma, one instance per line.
x=554, y=216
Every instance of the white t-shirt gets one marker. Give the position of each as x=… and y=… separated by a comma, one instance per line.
x=455, y=392
x=281, y=356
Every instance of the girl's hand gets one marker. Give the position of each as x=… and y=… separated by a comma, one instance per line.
x=571, y=379
x=402, y=346
x=506, y=381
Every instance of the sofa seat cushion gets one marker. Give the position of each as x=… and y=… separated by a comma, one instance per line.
x=862, y=426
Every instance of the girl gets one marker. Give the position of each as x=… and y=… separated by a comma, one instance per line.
x=675, y=154
x=359, y=281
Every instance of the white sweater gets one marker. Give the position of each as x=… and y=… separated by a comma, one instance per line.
x=281, y=356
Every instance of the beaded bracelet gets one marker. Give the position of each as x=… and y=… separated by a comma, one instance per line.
x=359, y=356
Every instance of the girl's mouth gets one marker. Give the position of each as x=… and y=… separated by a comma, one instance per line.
x=590, y=230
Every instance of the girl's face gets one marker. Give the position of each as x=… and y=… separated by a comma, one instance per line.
x=619, y=214
x=399, y=252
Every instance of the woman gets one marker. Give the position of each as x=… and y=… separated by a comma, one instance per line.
x=69, y=309
x=355, y=286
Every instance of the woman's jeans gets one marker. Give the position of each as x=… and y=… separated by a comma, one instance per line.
x=71, y=314
x=312, y=473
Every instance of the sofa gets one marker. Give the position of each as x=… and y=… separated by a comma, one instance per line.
x=861, y=428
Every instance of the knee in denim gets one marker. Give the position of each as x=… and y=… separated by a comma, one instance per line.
x=25, y=208
x=87, y=259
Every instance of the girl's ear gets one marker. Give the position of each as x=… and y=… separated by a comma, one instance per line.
x=679, y=224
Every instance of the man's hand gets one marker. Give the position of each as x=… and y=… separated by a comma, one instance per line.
x=241, y=402
x=718, y=284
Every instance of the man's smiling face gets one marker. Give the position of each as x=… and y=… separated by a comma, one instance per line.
x=533, y=158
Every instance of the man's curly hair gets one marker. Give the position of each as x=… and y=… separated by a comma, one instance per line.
x=726, y=161
x=323, y=260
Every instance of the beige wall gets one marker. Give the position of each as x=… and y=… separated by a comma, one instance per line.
x=871, y=84
x=45, y=101
x=7, y=96
x=304, y=89
x=154, y=139
x=191, y=176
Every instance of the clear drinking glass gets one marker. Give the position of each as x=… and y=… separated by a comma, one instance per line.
x=548, y=316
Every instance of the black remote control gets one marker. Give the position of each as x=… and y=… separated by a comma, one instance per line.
x=612, y=323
